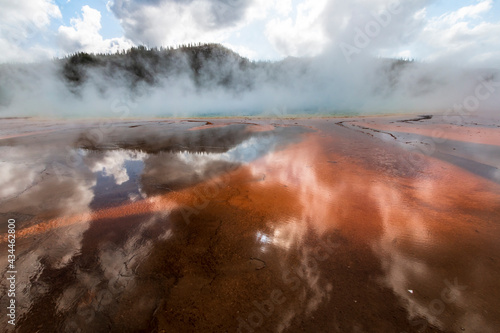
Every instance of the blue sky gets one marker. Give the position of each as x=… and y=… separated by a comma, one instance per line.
x=258, y=29
x=110, y=24
x=438, y=8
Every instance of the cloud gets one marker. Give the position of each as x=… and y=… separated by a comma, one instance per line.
x=303, y=36
x=21, y=22
x=472, y=11
x=461, y=36
x=243, y=51
x=374, y=28
x=283, y=7
x=167, y=22
x=83, y=35
x=225, y=84
x=292, y=28
x=113, y=164
x=389, y=28
x=384, y=28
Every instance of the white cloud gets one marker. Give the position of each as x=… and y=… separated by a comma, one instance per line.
x=20, y=23
x=283, y=7
x=242, y=50
x=83, y=35
x=374, y=27
x=462, y=36
x=170, y=22
x=292, y=28
x=472, y=11
x=113, y=164
x=302, y=36
x=405, y=54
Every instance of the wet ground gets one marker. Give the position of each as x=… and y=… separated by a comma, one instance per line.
x=381, y=224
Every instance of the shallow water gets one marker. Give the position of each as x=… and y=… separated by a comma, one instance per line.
x=310, y=227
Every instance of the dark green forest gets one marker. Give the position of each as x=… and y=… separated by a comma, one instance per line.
x=204, y=63
x=208, y=65
x=203, y=73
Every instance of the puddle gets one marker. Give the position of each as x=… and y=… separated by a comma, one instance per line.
x=227, y=228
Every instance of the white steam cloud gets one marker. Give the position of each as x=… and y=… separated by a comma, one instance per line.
x=346, y=61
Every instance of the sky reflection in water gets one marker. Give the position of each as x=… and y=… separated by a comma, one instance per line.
x=103, y=240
